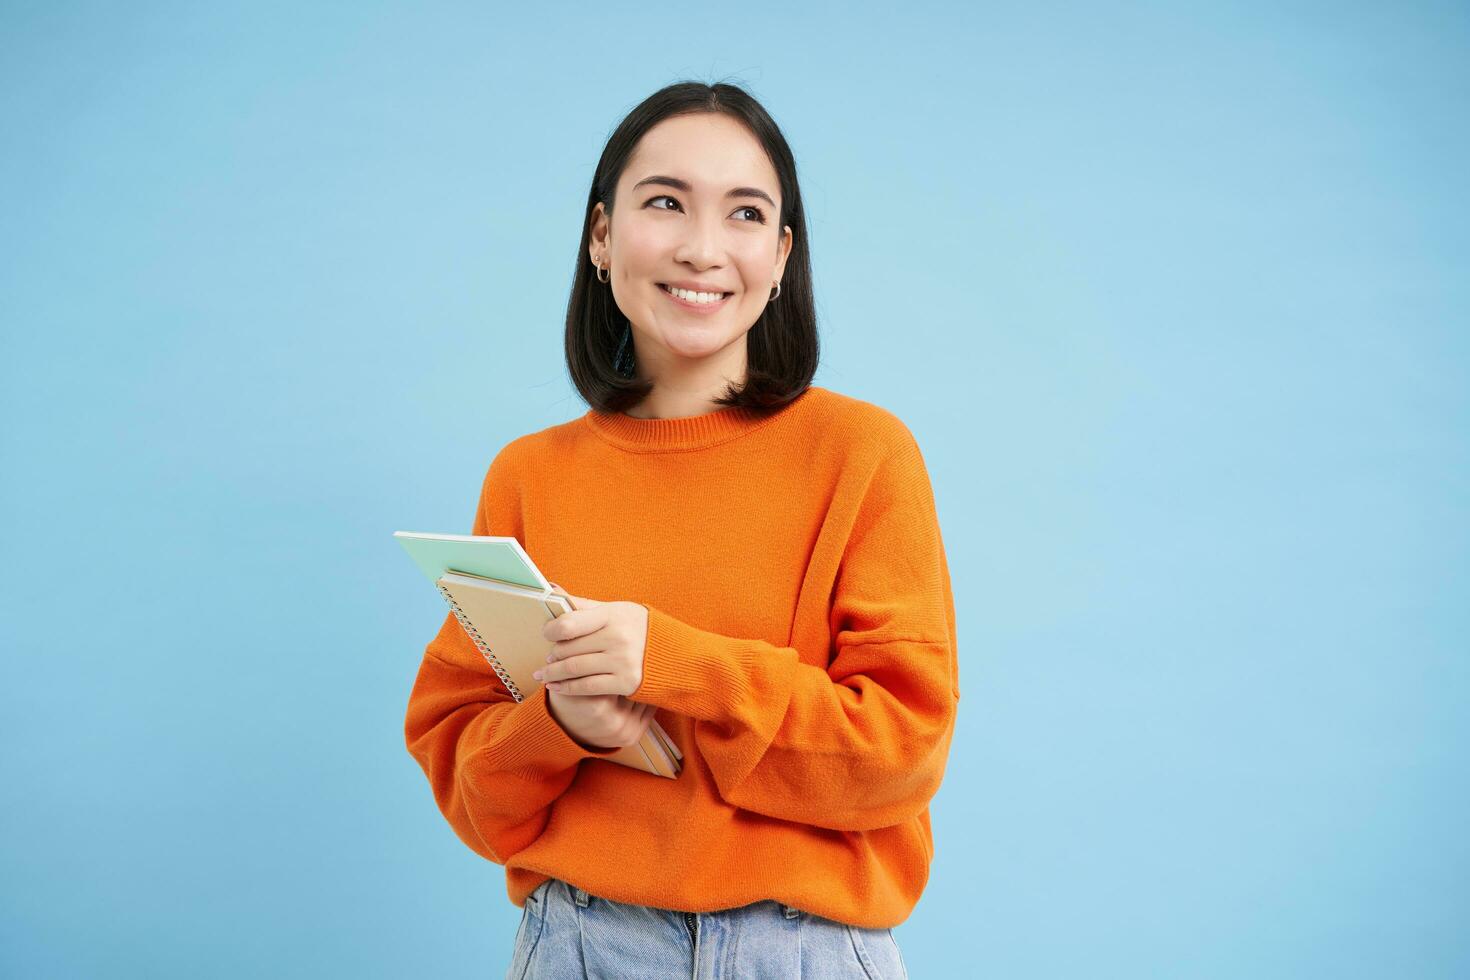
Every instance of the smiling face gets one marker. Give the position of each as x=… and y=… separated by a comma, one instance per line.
x=696, y=206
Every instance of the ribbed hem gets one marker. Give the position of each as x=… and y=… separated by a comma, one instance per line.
x=532, y=739
x=682, y=434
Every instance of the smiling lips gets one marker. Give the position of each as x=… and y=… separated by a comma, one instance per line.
x=690, y=301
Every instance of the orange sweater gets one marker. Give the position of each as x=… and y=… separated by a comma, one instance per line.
x=801, y=650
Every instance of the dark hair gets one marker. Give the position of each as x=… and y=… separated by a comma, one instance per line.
x=781, y=346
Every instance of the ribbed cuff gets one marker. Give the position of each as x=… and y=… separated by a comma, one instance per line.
x=532, y=739
x=702, y=674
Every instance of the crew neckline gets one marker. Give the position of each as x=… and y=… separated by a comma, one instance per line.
x=685, y=432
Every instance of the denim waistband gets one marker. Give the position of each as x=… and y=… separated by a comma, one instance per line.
x=582, y=897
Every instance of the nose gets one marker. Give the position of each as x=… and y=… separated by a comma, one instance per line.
x=703, y=247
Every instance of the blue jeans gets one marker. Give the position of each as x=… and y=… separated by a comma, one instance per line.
x=566, y=933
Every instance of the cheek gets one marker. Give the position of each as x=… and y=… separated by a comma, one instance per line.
x=643, y=246
x=751, y=263
x=755, y=268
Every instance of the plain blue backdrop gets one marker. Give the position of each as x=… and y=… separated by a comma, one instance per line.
x=1172, y=296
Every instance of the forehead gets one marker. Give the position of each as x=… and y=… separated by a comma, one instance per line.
x=710, y=150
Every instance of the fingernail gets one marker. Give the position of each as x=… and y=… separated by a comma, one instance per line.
x=548, y=658
x=537, y=675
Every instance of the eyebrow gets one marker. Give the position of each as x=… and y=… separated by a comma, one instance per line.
x=686, y=187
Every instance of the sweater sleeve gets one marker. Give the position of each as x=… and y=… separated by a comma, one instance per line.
x=494, y=765
x=863, y=743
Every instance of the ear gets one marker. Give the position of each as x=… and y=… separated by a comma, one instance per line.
x=600, y=235
x=783, y=251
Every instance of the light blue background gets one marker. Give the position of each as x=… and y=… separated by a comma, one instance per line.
x=1173, y=297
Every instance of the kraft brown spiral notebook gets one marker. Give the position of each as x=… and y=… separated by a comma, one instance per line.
x=502, y=601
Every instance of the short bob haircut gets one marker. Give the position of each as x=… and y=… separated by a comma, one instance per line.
x=781, y=346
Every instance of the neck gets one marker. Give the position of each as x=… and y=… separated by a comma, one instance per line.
x=663, y=403
x=683, y=388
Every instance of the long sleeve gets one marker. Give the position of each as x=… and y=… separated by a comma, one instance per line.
x=863, y=743
x=494, y=765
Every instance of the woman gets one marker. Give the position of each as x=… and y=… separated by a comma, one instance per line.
x=754, y=560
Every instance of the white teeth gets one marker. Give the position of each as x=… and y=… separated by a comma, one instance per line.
x=686, y=295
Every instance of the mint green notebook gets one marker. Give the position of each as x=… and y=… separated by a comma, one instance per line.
x=488, y=556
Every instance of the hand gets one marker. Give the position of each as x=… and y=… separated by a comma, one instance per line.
x=597, y=648
x=601, y=721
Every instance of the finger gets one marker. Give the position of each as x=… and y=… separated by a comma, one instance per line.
x=591, y=643
x=579, y=666
x=578, y=622
x=594, y=684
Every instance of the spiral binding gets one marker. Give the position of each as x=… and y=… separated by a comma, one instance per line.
x=469, y=628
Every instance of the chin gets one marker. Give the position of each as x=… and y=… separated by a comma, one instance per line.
x=695, y=352
x=694, y=345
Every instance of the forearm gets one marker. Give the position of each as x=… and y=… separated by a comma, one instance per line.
x=495, y=766
x=784, y=738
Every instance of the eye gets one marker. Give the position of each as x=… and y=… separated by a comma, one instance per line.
x=760, y=216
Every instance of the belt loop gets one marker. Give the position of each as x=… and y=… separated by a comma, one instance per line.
x=581, y=897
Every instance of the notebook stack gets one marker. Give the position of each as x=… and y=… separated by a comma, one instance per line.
x=502, y=601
